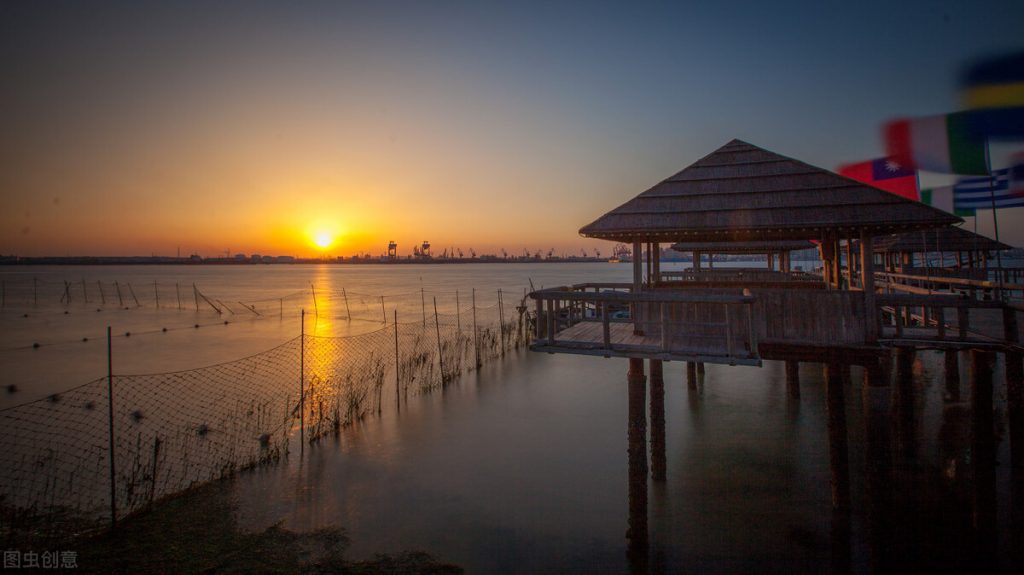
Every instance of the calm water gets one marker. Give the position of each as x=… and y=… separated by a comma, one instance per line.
x=522, y=467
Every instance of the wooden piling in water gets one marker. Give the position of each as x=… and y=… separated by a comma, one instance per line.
x=951, y=358
x=793, y=378
x=637, y=455
x=839, y=463
x=691, y=375
x=657, y=417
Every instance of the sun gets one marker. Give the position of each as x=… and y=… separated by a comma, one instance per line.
x=322, y=235
x=323, y=239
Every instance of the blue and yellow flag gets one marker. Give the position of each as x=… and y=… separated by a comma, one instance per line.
x=995, y=82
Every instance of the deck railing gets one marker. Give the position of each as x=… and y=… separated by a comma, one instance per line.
x=612, y=320
x=928, y=284
x=752, y=275
x=945, y=318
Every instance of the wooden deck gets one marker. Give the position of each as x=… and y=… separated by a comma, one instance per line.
x=734, y=327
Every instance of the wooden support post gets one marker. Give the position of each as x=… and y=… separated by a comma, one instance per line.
x=952, y=375
x=691, y=375
x=867, y=282
x=983, y=452
x=839, y=463
x=657, y=416
x=793, y=378
x=637, y=455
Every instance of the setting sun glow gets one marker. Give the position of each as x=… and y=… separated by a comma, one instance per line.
x=322, y=235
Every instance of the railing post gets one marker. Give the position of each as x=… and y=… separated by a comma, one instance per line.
x=728, y=331
x=962, y=320
x=538, y=327
x=606, y=326
x=551, y=322
x=664, y=326
x=752, y=328
x=940, y=318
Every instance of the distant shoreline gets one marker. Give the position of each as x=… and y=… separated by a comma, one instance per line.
x=106, y=261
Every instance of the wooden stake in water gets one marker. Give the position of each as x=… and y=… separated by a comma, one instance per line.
x=348, y=314
x=398, y=371
x=458, y=318
x=302, y=381
x=120, y=298
x=383, y=312
x=440, y=358
x=423, y=305
x=85, y=294
x=195, y=294
x=110, y=415
x=177, y=291
x=501, y=324
x=132, y=291
x=103, y=297
x=156, y=294
x=316, y=310
x=476, y=344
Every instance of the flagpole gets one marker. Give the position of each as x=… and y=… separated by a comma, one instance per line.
x=995, y=219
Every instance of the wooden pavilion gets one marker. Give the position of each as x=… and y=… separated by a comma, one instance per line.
x=966, y=252
x=738, y=193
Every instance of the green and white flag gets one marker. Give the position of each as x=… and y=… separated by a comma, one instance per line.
x=942, y=198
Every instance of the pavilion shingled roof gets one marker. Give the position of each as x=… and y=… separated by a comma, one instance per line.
x=741, y=192
x=747, y=247
x=945, y=239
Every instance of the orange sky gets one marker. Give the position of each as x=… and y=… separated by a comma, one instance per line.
x=139, y=129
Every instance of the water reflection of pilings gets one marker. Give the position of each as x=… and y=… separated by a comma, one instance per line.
x=877, y=464
x=657, y=415
x=637, y=454
x=983, y=458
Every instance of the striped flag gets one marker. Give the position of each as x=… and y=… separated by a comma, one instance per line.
x=942, y=143
x=942, y=198
x=975, y=193
x=995, y=82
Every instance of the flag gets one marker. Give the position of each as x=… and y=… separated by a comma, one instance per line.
x=942, y=198
x=983, y=193
x=953, y=143
x=940, y=143
x=885, y=174
x=995, y=82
